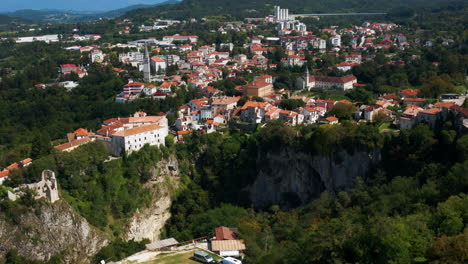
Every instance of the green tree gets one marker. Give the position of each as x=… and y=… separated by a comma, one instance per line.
x=343, y=111
x=41, y=145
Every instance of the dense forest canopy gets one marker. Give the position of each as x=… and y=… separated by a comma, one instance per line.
x=259, y=8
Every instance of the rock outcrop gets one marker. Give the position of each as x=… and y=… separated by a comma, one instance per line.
x=51, y=229
x=149, y=222
x=291, y=178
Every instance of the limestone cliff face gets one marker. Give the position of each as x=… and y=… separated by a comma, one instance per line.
x=289, y=178
x=51, y=229
x=149, y=222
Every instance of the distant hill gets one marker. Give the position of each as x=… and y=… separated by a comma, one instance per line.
x=8, y=20
x=75, y=5
x=258, y=8
x=60, y=16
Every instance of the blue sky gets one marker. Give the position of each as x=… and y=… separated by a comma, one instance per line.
x=81, y=5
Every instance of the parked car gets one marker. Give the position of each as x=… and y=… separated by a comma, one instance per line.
x=203, y=257
x=230, y=260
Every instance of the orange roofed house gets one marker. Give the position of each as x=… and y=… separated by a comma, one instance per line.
x=226, y=243
x=258, y=88
x=132, y=133
x=122, y=134
x=254, y=112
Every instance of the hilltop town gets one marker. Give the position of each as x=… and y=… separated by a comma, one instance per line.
x=240, y=139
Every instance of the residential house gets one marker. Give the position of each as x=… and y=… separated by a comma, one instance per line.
x=291, y=117
x=258, y=88
x=331, y=120
x=133, y=88
x=408, y=118
x=158, y=64
x=254, y=112
x=429, y=116
x=226, y=243
x=312, y=114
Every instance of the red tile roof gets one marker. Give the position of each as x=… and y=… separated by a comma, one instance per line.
x=332, y=79
x=431, y=111
x=157, y=59
x=409, y=92
x=4, y=173
x=26, y=161
x=137, y=130
x=257, y=84
x=12, y=166
x=331, y=118
x=134, y=84
x=81, y=132
x=254, y=104
x=414, y=100
x=461, y=110
x=224, y=233
x=73, y=143
x=444, y=104
x=186, y=132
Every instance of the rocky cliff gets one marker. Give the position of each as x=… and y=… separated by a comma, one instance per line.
x=289, y=178
x=51, y=229
x=149, y=222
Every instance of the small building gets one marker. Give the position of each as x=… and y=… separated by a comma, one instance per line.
x=331, y=120
x=4, y=175
x=165, y=244
x=258, y=88
x=429, y=116
x=158, y=64
x=228, y=248
x=408, y=117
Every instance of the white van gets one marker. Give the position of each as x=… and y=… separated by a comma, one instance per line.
x=203, y=257
x=230, y=260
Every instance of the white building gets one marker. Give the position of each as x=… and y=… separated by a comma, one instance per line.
x=158, y=64
x=97, y=56
x=132, y=133
x=281, y=14
x=45, y=38
x=177, y=37
x=326, y=82
x=336, y=40
x=134, y=139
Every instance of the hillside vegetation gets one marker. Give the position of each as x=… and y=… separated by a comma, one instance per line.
x=260, y=8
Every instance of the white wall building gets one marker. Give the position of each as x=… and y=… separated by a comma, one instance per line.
x=134, y=139
x=46, y=38
x=281, y=14
x=336, y=40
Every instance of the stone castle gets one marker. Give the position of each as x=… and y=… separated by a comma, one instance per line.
x=46, y=188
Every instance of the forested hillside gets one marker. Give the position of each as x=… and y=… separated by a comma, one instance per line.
x=260, y=8
x=410, y=209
